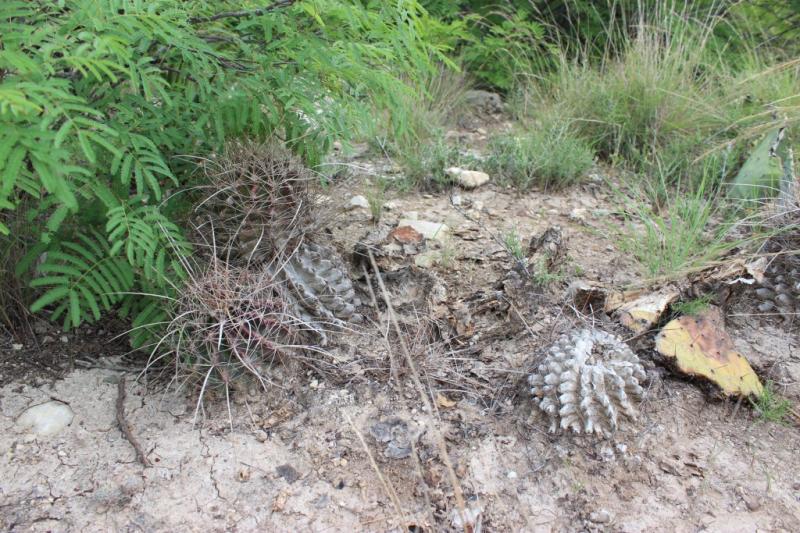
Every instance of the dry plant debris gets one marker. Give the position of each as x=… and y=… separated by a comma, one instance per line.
x=586, y=381
x=700, y=346
x=640, y=310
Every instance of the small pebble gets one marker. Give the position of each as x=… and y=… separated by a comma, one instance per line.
x=358, y=202
x=511, y=474
x=753, y=504
x=64, y=339
x=16, y=347
x=600, y=517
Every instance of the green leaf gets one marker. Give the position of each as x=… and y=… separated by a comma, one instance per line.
x=54, y=294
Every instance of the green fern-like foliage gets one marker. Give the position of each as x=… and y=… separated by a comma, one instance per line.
x=99, y=98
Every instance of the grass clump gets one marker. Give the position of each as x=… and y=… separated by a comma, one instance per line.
x=692, y=307
x=376, y=198
x=513, y=244
x=425, y=166
x=678, y=229
x=771, y=406
x=551, y=157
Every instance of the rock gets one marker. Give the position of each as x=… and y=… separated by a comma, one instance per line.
x=391, y=205
x=429, y=230
x=484, y=101
x=426, y=260
x=16, y=347
x=469, y=179
x=511, y=474
x=753, y=503
x=64, y=339
x=600, y=517
x=578, y=215
x=47, y=418
x=288, y=472
x=406, y=235
x=358, y=202
x=397, y=434
x=456, y=199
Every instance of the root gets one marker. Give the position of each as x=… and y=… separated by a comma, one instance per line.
x=125, y=427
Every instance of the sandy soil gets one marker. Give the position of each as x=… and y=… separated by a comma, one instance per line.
x=301, y=460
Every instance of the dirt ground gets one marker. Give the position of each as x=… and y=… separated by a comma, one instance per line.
x=307, y=459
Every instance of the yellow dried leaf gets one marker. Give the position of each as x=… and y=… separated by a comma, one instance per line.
x=639, y=310
x=444, y=402
x=702, y=347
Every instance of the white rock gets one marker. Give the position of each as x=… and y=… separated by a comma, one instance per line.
x=469, y=179
x=46, y=418
x=511, y=474
x=426, y=260
x=358, y=202
x=456, y=199
x=578, y=215
x=429, y=230
x=391, y=205
x=600, y=517
x=16, y=347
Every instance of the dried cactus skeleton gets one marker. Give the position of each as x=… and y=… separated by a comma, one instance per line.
x=779, y=292
x=586, y=381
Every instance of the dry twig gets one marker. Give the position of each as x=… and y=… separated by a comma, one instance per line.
x=125, y=426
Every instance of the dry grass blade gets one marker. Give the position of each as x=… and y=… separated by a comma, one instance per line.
x=429, y=407
x=387, y=485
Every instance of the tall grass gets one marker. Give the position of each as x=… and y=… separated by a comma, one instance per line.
x=666, y=91
x=678, y=229
x=550, y=154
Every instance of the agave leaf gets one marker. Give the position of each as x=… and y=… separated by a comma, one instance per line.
x=761, y=174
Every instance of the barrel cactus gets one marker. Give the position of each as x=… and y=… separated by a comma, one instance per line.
x=586, y=382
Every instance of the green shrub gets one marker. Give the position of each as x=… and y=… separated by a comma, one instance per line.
x=551, y=156
x=499, y=43
x=98, y=100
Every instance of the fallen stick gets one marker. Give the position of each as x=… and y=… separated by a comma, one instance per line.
x=125, y=427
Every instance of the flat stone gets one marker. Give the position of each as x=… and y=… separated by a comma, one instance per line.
x=469, y=179
x=46, y=419
x=406, y=235
x=429, y=230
